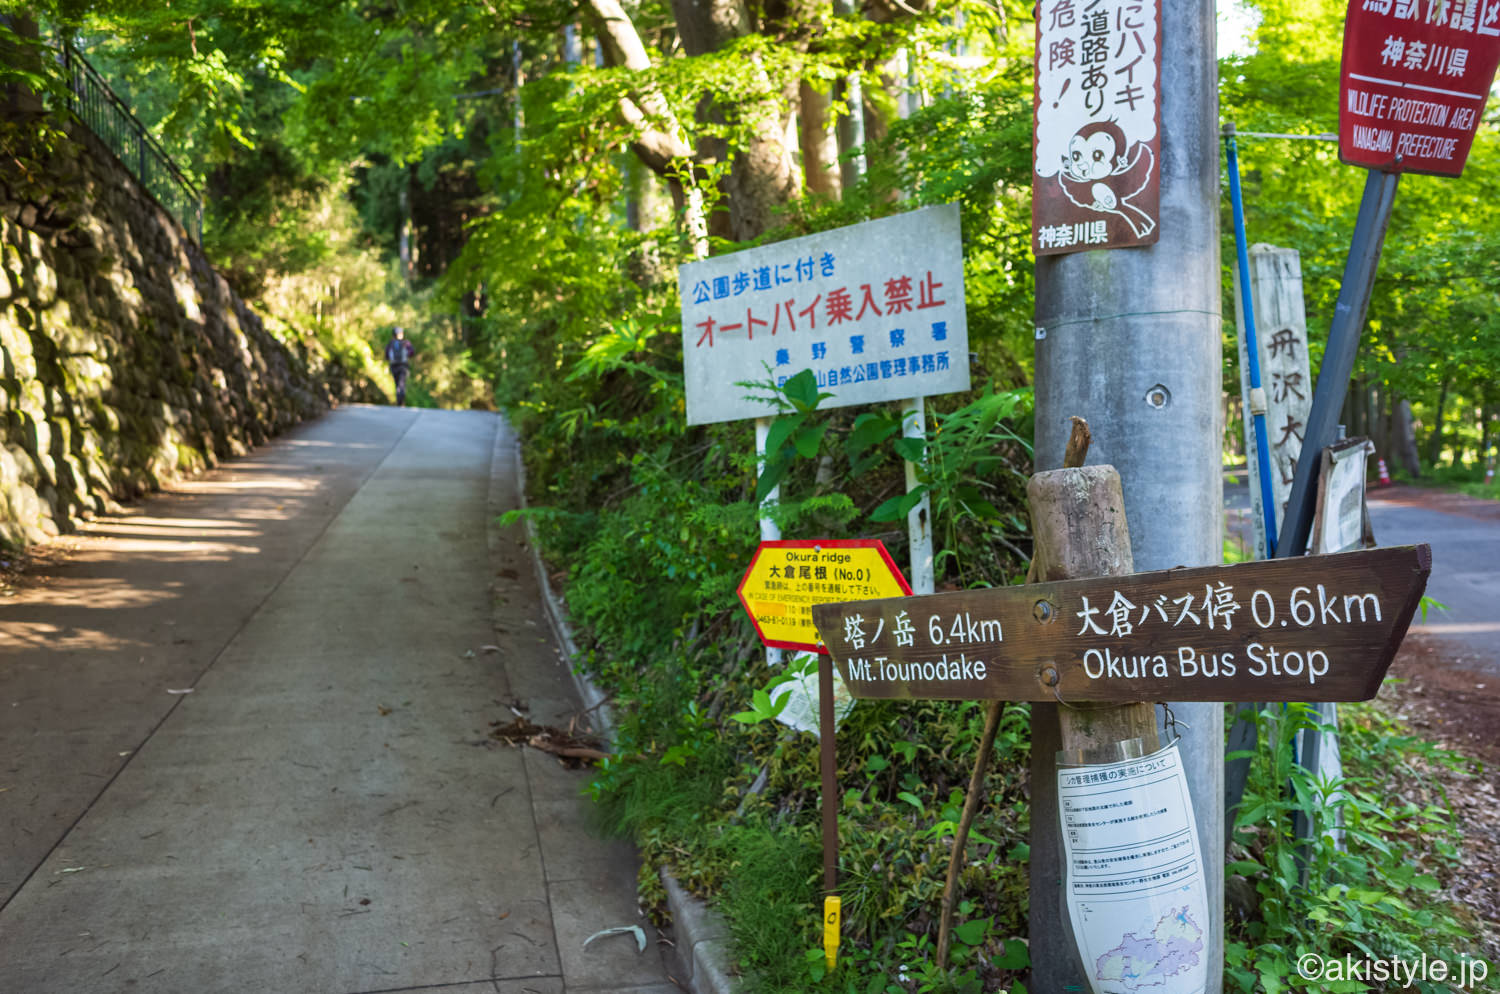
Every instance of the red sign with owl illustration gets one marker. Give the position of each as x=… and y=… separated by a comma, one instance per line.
x=1415, y=77
x=1096, y=146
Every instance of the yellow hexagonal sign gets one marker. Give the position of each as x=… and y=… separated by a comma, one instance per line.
x=787, y=577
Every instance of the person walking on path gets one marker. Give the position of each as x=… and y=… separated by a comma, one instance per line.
x=398, y=353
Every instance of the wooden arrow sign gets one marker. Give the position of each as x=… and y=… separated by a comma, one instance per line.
x=1318, y=628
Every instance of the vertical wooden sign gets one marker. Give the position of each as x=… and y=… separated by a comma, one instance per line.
x=1286, y=379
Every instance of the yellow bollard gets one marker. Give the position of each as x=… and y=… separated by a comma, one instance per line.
x=831, y=909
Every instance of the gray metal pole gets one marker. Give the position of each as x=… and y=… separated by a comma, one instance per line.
x=1130, y=340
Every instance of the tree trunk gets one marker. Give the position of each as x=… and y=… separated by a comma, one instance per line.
x=1355, y=414
x=1380, y=424
x=820, y=151
x=762, y=174
x=19, y=102
x=881, y=105
x=708, y=25
x=850, y=129
x=404, y=232
x=1234, y=420
x=647, y=205
x=647, y=208
x=1365, y=414
x=1435, y=440
x=659, y=141
x=1485, y=414
x=1405, y=438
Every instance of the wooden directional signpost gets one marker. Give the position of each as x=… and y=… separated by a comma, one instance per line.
x=1324, y=629
x=1320, y=629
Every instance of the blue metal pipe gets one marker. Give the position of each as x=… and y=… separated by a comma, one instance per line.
x=1252, y=348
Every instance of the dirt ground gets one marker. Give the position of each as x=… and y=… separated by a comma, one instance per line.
x=1458, y=707
x=1433, y=499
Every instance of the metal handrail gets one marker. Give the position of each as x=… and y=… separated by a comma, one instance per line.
x=107, y=116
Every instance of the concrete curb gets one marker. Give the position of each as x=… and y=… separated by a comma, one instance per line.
x=594, y=700
x=701, y=949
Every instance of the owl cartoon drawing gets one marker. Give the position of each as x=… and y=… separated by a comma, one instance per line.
x=1098, y=175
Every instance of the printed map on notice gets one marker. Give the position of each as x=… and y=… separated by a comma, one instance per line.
x=1171, y=950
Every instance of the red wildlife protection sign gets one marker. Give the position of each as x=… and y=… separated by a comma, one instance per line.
x=1415, y=77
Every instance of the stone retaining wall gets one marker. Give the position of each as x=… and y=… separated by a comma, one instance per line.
x=125, y=359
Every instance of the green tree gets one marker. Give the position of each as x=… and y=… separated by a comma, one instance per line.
x=1430, y=341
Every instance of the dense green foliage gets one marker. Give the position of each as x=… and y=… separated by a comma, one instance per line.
x=1433, y=337
x=654, y=524
x=233, y=93
x=1384, y=842
x=283, y=108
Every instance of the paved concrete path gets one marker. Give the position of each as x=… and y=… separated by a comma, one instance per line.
x=323, y=812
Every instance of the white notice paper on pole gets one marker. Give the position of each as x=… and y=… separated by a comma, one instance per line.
x=800, y=691
x=1134, y=887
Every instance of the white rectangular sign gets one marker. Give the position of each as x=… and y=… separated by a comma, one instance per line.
x=875, y=310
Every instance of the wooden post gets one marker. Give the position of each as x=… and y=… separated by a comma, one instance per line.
x=828, y=768
x=1074, y=454
x=1078, y=522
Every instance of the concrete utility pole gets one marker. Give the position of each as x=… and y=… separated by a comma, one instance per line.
x=1129, y=340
